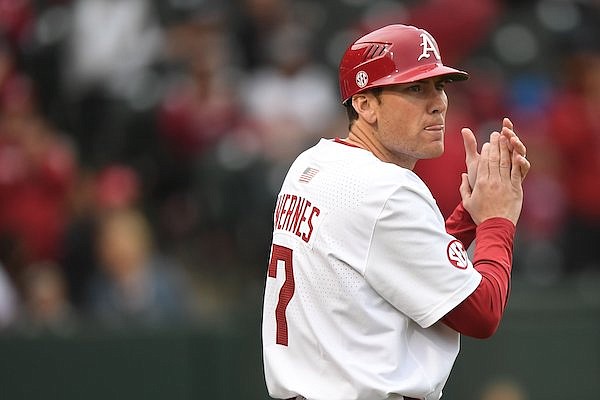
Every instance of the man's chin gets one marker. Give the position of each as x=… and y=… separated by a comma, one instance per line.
x=434, y=153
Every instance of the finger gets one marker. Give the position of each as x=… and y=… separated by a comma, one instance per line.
x=470, y=143
x=471, y=155
x=515, y=175
x=494, y=154
x=483, y=169
x=524, y=166
x=505, y=159
x=518, y=146
x=508, y=130
x=465, y=188
x=520, y=170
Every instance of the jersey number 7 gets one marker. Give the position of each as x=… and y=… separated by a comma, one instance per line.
x=284, y=254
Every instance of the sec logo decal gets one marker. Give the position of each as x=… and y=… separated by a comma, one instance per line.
x=362, y=79
x=457, y=255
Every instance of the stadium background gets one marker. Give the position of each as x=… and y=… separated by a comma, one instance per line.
x=169, y=124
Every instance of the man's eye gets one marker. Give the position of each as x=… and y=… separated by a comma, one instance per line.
x=442, y=84
x=415, y=88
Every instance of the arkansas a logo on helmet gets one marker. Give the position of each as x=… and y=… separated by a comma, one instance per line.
x=428, y=45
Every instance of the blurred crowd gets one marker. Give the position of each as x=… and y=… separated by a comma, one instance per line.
x=142, y=142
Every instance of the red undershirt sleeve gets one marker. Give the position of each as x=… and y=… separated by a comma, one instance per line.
x=480, y=313
x=460, y=225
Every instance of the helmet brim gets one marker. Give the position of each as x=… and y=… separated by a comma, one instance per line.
x=423, y=72
x=418, y=74
x=430, y=71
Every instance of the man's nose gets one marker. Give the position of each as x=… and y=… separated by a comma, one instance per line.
x=439, y=101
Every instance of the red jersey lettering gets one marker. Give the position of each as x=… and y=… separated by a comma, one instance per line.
x=296, y=215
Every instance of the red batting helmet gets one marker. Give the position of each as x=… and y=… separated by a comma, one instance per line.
x=390, y=55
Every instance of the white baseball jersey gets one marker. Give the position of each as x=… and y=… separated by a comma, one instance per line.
x=361, y=270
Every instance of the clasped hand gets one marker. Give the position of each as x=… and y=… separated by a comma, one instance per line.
x=492, y=186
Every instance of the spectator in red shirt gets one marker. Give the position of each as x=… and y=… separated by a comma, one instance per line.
x=36, y=169
x=574, y=128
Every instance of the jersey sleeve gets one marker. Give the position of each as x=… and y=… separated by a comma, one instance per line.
x=480, y=314
x=460, y=225
x=414, y=263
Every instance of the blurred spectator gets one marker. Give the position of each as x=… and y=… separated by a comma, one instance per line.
x=201, y=105
x=95, y=193
x=110, y=49
x=8, y=299
x=46, y=307
x=111, y=43
x=574, y=127
x=36, y=169
x=135, y=285
x=258, y=21
x=293, y=98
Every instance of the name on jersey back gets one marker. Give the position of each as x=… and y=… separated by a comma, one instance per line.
x=296, y=215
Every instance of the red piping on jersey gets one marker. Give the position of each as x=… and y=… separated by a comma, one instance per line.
x=342, y=141
x=479, y=315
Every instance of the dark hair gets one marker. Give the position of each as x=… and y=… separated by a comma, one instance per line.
x=352, y=114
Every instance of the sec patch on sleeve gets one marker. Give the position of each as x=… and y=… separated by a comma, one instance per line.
x=457, y=255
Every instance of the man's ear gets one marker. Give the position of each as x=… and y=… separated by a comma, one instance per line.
x=364, y=105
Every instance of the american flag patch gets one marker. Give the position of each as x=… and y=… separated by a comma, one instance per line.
x=308, y=174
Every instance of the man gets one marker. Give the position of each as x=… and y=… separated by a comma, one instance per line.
x=367, y=289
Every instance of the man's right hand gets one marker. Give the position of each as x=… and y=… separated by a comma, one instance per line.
x=497, y=191
x=472, y=156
